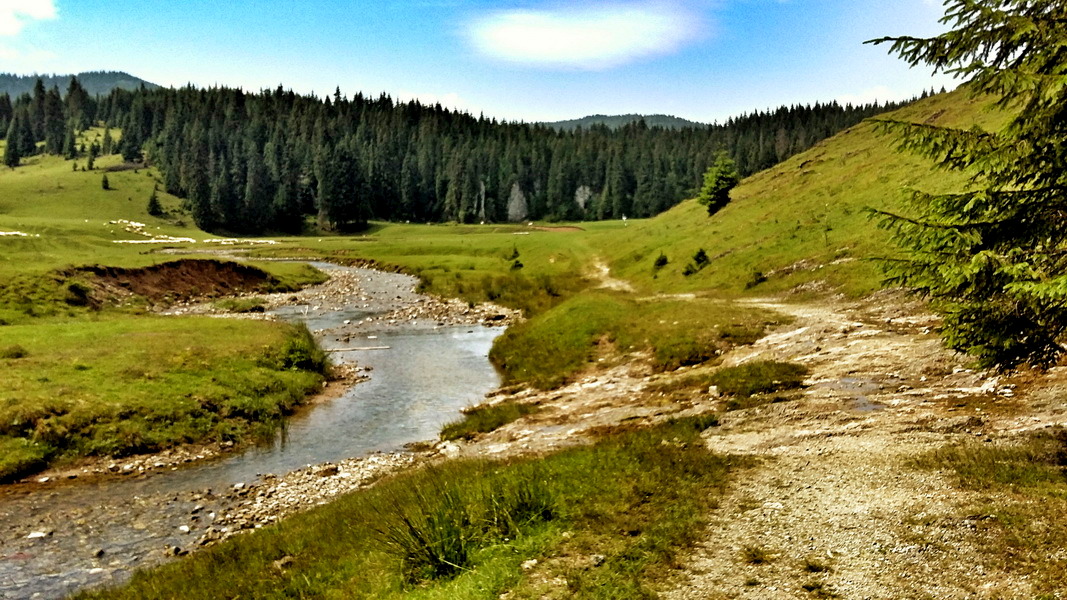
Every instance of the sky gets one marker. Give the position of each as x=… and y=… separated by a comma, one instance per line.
x=528, y=60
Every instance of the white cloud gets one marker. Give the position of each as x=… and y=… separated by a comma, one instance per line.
x=585, y=38
x=14, y=14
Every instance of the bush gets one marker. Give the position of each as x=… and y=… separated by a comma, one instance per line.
x=661, y=261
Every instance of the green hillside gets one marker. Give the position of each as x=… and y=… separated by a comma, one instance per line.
x=97, y=83
x=802, y=221
x=617, y=121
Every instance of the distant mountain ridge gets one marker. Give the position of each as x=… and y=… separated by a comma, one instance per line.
x=617, y=121
x=97, y=83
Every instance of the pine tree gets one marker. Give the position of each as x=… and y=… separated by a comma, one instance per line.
x=720, y=178
x=154, y=207
x=104, y=183
x=109, y=142
x=12, y=156
x=993, y=259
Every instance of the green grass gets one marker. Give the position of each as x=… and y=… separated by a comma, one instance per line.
x=118, y=385
x=241, y=305
x=801, y=222
x=758, y=377
x=549, y=350
x=611, y=520
x=483, y=419
x=1021, y=518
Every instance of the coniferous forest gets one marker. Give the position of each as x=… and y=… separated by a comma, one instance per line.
x=254, y=163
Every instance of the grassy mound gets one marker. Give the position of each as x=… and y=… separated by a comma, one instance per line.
x=122, y=385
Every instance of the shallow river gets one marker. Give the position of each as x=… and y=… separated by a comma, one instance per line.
x=96, y=533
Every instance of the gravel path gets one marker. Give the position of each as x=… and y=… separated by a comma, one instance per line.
x=831, y=504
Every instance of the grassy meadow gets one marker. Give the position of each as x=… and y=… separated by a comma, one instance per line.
x=607, y=521
x=120, y=385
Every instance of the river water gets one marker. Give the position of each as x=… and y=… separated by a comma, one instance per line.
x=97, y=533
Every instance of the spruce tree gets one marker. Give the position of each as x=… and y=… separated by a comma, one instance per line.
x=12, y=156
x=104, y=183
x=720, y=178
x=154, y=207
x=993, y=258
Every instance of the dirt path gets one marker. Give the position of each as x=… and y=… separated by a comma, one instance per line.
x=832, y=506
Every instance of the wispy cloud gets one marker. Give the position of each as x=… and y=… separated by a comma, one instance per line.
x=14, y=14
x=592, y=38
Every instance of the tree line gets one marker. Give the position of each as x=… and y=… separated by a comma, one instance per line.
x=256, y=162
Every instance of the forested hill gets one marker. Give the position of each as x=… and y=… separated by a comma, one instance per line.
x=617, y=121
x=251, y=163
x=95, y=83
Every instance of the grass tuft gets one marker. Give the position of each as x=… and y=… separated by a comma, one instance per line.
x=758, y=377
x=242, y=305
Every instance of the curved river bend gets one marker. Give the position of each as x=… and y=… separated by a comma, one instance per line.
x=97, y=533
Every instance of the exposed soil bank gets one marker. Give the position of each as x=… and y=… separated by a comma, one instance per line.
x=175, y=280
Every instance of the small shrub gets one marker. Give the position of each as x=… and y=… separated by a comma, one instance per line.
x=700, y=259
x=689, y=270
x=515, y=266
x=661, y=261
x=757, y=278
x=13, y=351
x=105, y=184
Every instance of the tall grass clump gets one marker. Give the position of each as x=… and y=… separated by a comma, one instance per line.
x=437, y=525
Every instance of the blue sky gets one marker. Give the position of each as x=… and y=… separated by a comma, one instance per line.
x=520, y=60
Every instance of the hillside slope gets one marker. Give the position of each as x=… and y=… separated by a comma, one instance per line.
x=617, y=121
x=97, y=83
x=801, y=221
